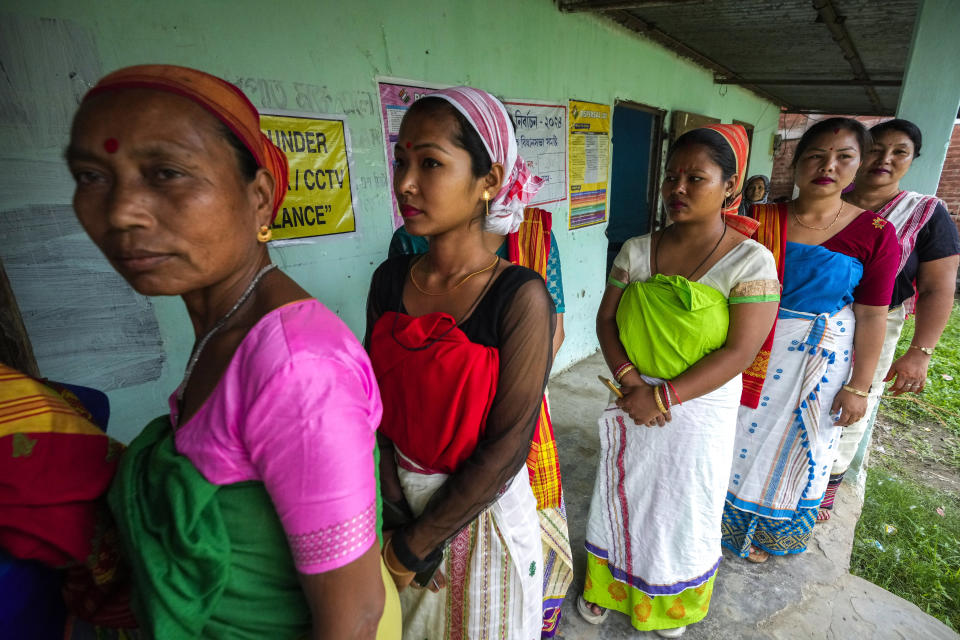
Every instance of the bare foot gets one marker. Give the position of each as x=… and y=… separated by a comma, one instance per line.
x=757, y=556
x=592, y=613
x=823, y=515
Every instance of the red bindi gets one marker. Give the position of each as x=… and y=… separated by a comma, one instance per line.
x=110, y=145
x=837, y=130
x=409, y=145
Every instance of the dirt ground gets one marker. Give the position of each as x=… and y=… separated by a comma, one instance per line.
x=923, y=451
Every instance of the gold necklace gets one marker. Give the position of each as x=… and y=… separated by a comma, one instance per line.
x=800, y=222
x=496, y=259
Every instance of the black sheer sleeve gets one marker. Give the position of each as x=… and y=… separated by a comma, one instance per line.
x=386, y=290
x=374, y=310
x=526, y=327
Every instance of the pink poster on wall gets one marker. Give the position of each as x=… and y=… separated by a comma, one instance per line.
x=396, y=96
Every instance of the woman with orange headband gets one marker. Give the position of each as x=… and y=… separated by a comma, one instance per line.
x=684, y=313
x=250, y=510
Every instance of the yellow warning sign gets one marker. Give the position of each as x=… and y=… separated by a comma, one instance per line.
x=319, y=200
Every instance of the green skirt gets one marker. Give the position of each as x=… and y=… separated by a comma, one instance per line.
x=207, y=561
x=646, y=613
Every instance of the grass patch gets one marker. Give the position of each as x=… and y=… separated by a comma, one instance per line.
x=940, y=400
x=903, y=545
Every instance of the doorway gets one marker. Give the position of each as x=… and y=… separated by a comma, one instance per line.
x=637, y=143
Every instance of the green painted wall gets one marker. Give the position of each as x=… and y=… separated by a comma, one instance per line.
x=315, y=56
x=930, y=95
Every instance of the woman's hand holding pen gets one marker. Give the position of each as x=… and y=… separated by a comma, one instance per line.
x=638, y=401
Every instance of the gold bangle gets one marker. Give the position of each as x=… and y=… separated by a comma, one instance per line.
x=656, y=396
x=387, y=552
x=926, y=350
x=625, y=371
x=856, y=392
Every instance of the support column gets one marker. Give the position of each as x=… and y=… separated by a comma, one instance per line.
x=930, y=96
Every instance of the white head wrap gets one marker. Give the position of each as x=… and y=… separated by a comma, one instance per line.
x=489, y=119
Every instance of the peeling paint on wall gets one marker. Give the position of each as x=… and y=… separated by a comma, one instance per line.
x=86, y=325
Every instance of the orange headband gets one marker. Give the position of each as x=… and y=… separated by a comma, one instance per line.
x=736, y=137
x=223, y=100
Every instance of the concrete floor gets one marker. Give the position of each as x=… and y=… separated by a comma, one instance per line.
x=810, y=595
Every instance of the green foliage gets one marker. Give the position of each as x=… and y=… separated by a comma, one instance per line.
x=903, y=545
x=940, y=400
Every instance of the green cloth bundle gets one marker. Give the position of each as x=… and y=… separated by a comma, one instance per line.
x=669, y=323
x=208, y=561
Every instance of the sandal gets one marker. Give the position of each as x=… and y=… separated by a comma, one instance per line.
x=757, y=556
x=676, y=632
x=587, y=614
x=823, y=515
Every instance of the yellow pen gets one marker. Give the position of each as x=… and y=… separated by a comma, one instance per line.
x=613, y=387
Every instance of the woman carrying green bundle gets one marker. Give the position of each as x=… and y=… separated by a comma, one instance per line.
x=685, y=312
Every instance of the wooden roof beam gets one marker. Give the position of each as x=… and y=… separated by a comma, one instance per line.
x=808, y=82
x=577, y=6
x=820, y=110
x=638, y=25
x=827, y=14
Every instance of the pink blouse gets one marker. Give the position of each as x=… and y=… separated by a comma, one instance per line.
x=297, y=408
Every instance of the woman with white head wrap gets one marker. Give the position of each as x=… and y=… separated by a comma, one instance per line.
x=461, y=345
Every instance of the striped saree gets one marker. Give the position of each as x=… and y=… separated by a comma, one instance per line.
x=57, y=466
x=530, y=247
x=772, y=234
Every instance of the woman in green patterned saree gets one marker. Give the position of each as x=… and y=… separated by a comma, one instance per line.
x=250, y=511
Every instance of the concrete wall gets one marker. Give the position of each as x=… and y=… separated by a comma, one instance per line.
x=930, y=95
x=88, y=327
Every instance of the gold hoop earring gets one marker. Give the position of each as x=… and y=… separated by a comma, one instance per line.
x=265, y=234
x=486, y=200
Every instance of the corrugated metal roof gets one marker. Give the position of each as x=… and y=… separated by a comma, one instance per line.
x=784, y=41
